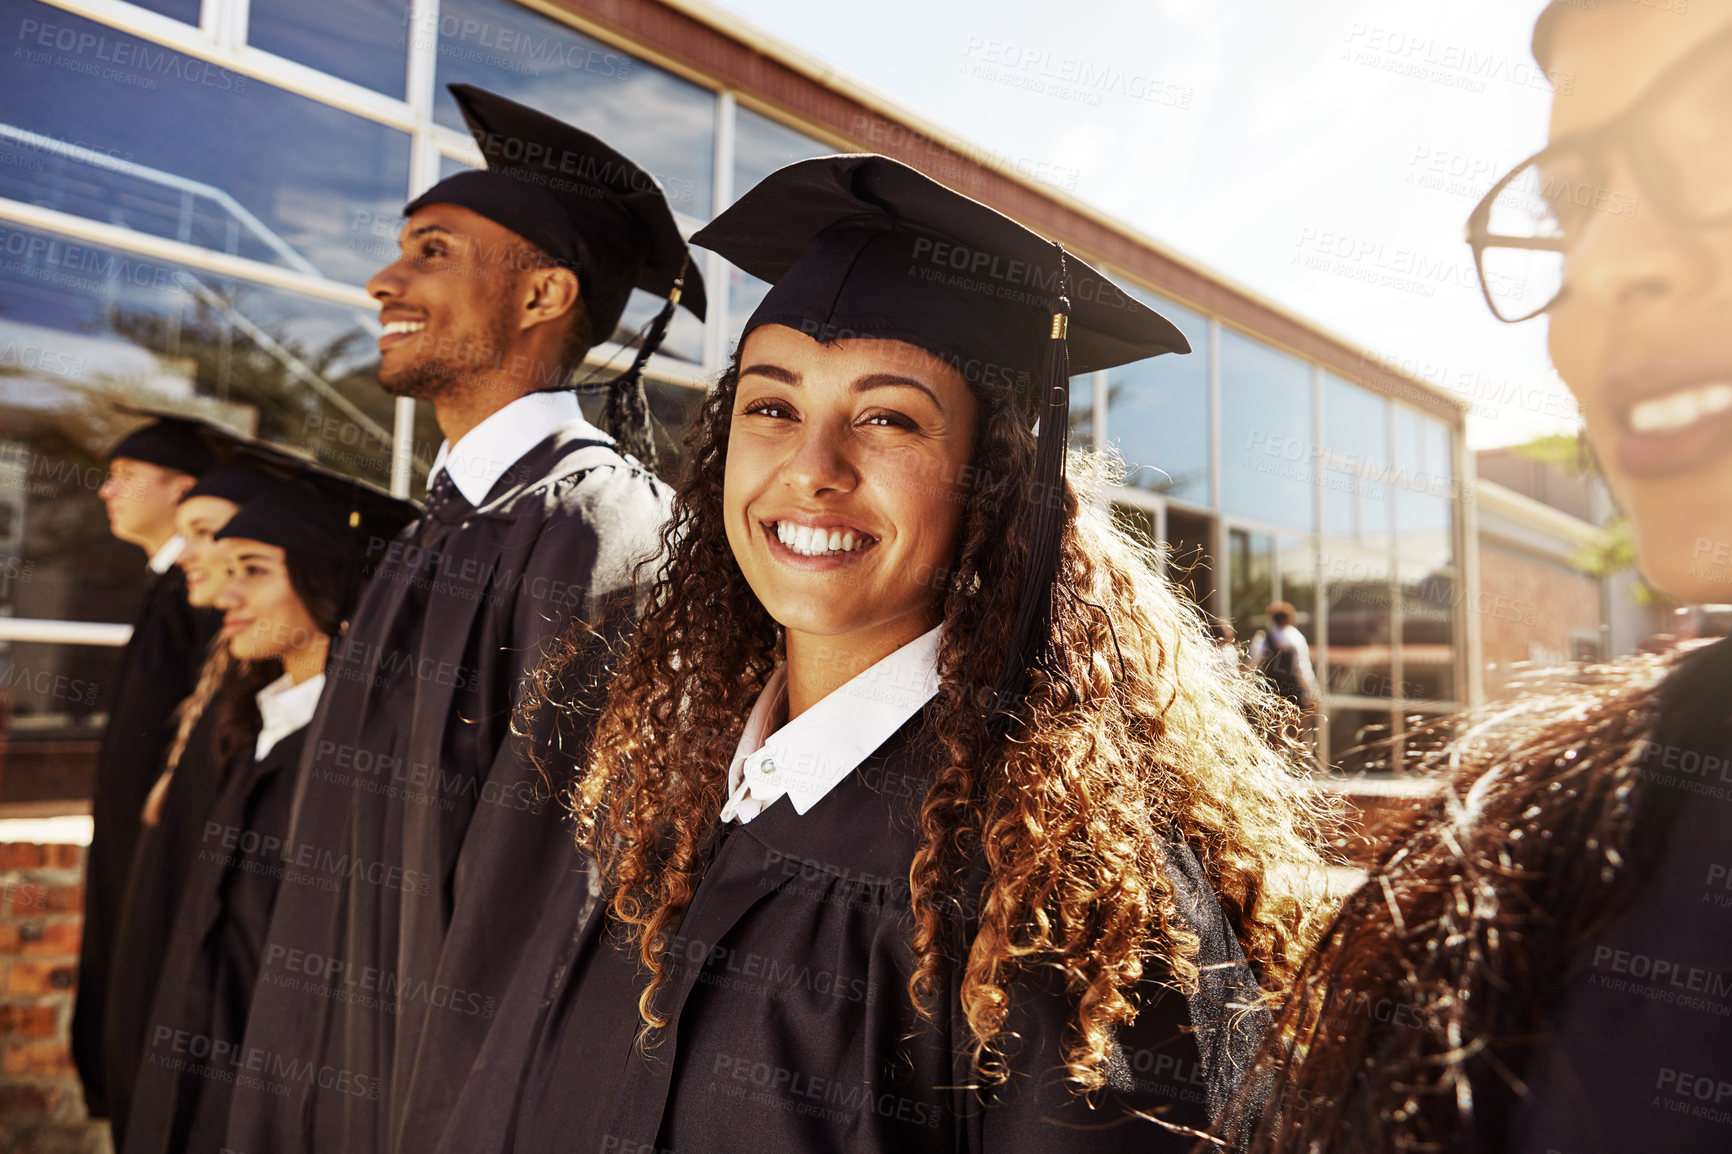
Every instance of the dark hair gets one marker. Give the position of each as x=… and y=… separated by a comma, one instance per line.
x=1470, y=920
x=319, y=588
x=1281, y=612
x=237, y=725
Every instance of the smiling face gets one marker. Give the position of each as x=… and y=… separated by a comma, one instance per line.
x=459, y=300
x=1643, y=334
x=201, y=559
x=263, y=616
x=847, y=476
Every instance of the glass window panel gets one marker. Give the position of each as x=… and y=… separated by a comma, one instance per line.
x=180, y=148
x=1435, y=436
x=1357, y=737
x=1296, y=559
x=1268, y=459
x=1356, y=424
x=293, y=370
x=745, y=294
x=762, y=145
x=1360, y=638
x=365, y=42
x=1428, y=636
x=1158, y=412
x=186, y=11
x=54, y=699
x=663, y=123
x=1424, y=532
x=1422, y=451
x=451, y=166
x=1250, y=580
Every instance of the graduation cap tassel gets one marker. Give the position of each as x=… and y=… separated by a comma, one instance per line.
x=1044, y=501
x=626, y=413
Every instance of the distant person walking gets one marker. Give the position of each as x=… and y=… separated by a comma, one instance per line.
x=1282, y=657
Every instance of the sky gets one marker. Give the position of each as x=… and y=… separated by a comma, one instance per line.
x=1323, y=154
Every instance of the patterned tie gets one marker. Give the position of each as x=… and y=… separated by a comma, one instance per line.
x=442, y=492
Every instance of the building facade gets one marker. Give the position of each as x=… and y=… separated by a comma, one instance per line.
x=194, y=192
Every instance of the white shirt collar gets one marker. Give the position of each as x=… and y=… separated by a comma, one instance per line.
x=481, y=456
x=167, y=555
x=283, y=708
x=809, y=756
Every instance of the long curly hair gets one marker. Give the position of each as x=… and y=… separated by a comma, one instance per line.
x=1412, y=1024
x=1128, y=734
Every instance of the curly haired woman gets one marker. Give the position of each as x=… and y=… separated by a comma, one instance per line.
x=922, y=817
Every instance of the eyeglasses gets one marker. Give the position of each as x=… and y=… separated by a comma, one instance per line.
x=1677, y=139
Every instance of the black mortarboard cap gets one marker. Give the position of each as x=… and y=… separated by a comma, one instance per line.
x=184, y=444
x=233, y=481
x=588, y=207
x=323, y=521
x=864, y=246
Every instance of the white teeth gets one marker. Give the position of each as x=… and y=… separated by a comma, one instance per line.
x=1680, y=410
x=810, y=542
x=395, y=327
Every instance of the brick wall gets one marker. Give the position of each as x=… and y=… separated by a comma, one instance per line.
x=41, y=1104
x=1530, y=611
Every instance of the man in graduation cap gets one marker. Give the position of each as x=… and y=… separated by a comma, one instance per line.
x=424, y=832
x=148, y=473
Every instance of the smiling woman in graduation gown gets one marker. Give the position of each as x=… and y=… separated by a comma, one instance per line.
x=295, y=560
x=923, y=820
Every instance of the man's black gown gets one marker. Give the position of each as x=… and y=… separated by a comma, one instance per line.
x=428, y=834
x=191, y=1053
x=157, y=670
x=164, y=859
x=791, y=1026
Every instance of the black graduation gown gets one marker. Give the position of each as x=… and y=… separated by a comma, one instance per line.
x=157, y=670
x=791, y=1027
x=1639, y=1053
x=166, y=855
x=192, y=1057
x=428, y=830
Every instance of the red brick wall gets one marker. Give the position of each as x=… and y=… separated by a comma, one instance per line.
x=41, y=1104
x=1526, y=602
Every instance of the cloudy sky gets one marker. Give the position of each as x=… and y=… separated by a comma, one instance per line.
x=1324, y=154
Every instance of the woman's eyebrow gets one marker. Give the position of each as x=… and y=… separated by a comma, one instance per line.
x=892, y=381
x=774, y=372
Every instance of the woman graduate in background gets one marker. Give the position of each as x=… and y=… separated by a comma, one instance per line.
x=923, y=818
x=293, y=566
x=175, y=811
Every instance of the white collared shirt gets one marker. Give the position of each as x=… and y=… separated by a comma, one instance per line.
x=283, y=708
x=481, y=456
x=167, y=555
x=806, y=758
